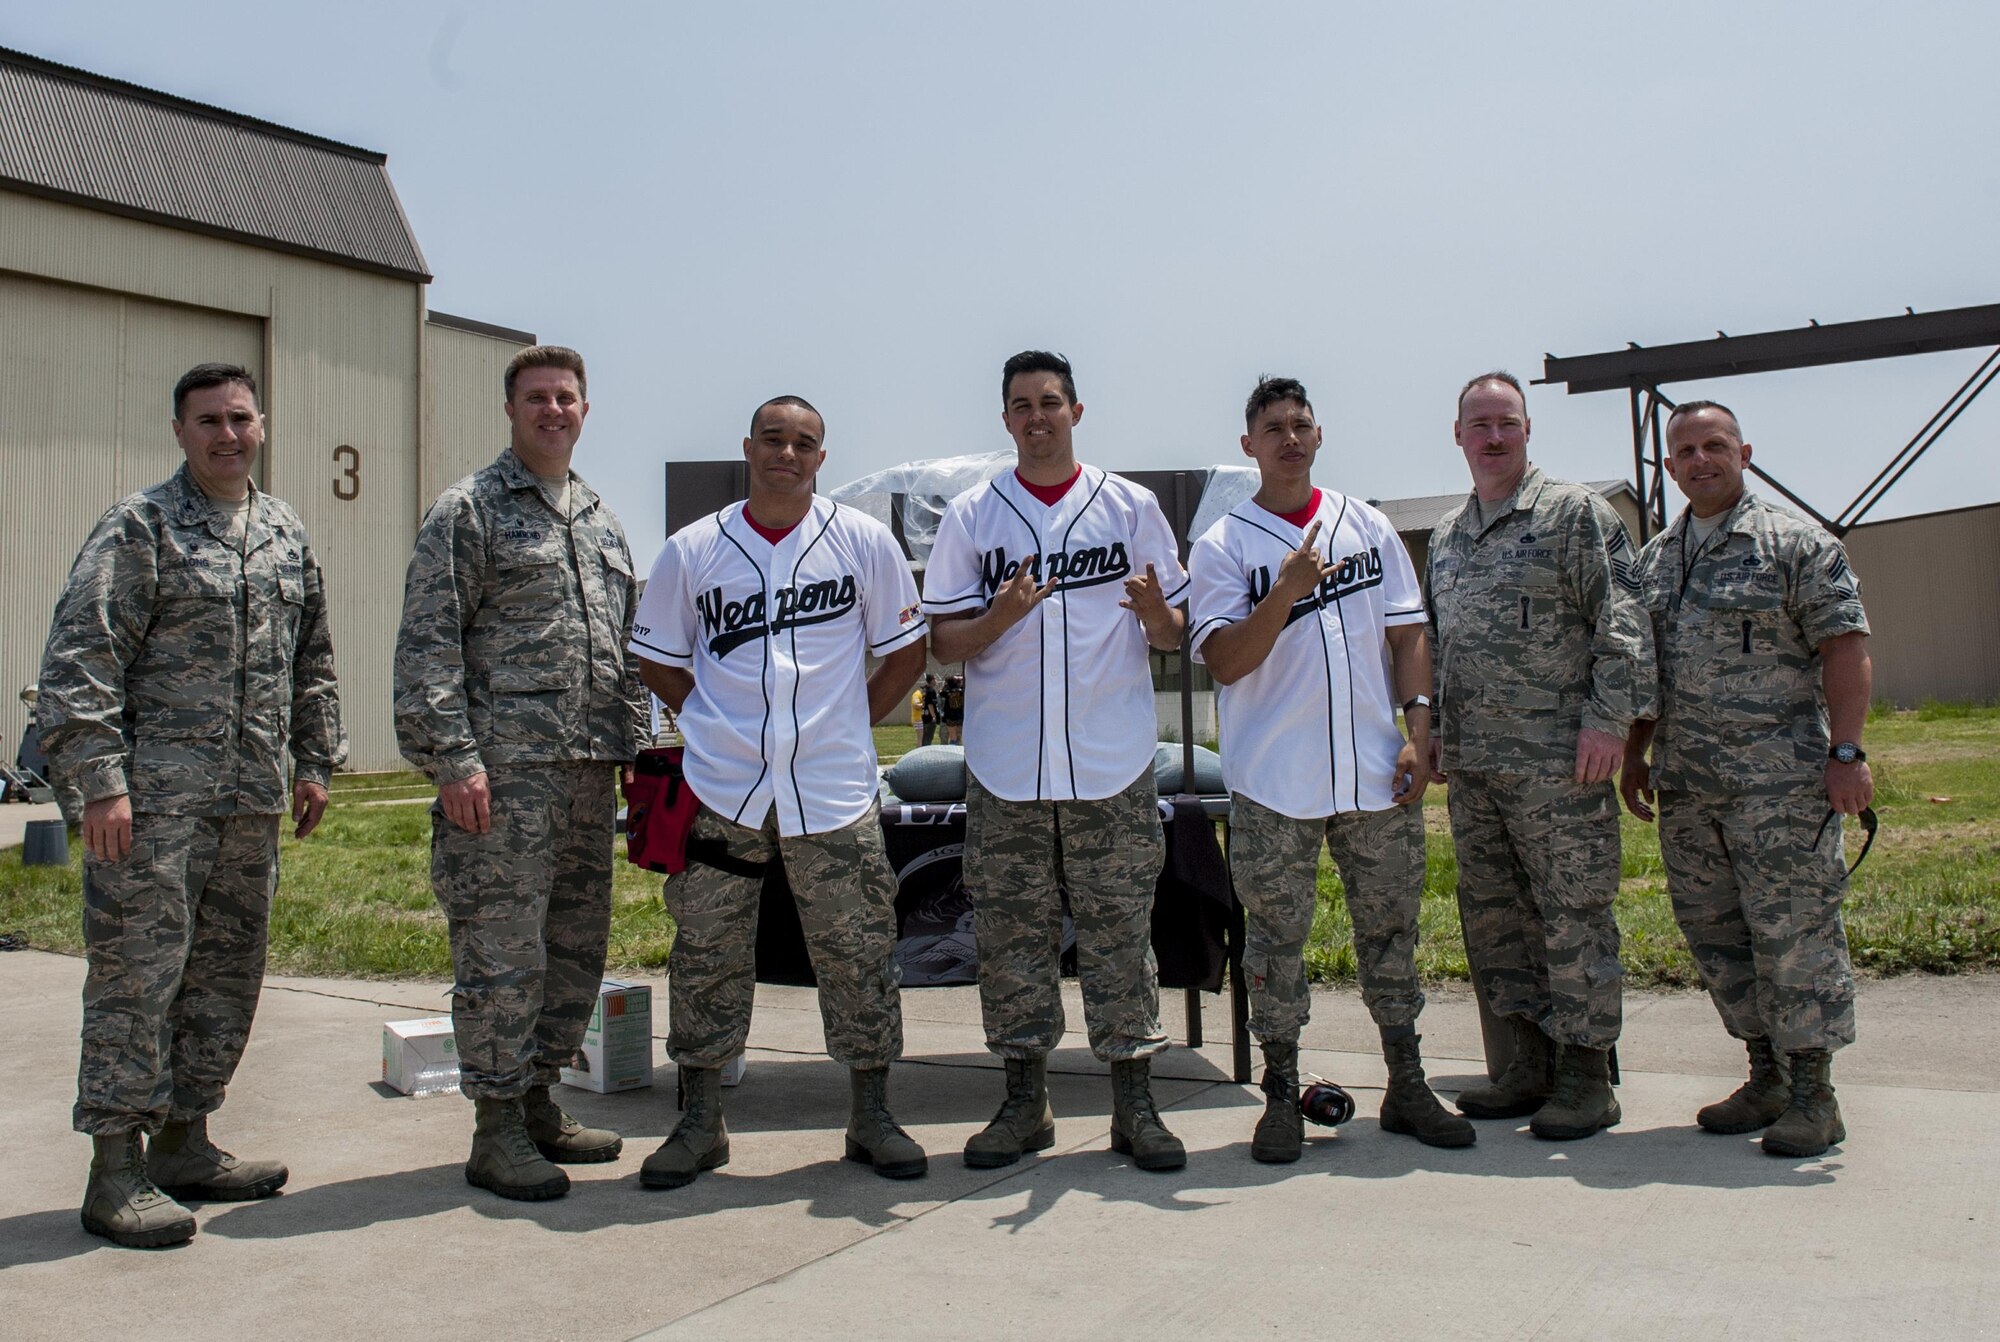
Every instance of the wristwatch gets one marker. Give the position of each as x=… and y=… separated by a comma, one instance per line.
x=1421, y=701
x=1847, y=753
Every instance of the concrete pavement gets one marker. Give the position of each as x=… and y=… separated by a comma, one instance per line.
x=1652, y=1230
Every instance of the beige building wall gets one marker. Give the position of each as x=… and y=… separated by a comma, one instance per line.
x=340, y=350
x=1931, y=585
x=464, y=426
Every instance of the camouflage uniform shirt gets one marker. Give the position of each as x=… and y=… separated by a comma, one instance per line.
x=1537, y=629
x=515, y=619
x=1739, y=625
x=180, y=666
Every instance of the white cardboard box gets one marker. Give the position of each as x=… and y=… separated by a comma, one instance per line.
x=617, y=1052
x=420, y=1057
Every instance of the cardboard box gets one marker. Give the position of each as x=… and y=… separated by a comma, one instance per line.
x=420, y=1057
x=617, y=1052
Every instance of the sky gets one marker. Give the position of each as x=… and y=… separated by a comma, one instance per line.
x=872, y=205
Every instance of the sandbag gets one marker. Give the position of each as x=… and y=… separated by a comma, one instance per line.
x=929, y=773
x=1207, y=770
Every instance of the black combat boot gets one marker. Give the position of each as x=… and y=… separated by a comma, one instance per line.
x=1136, y=1129
x=1024, y=1122
x=1811, y=1122
x=700, y=1141
x=1757, y=1102
x=1582, y=1103
x=1526, y=1083
x=1281, y=1132
x=1409, y=1107
x=123, y=1205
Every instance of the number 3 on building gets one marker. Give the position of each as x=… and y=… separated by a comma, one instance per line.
x=347, y=485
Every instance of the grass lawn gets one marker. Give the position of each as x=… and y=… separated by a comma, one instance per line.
x=356, y=901
x=1927, y=899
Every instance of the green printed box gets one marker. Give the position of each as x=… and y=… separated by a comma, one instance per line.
x=617, y=1052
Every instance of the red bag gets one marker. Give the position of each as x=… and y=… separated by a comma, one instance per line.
x=659, y=812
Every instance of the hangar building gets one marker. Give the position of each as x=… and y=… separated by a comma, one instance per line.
x=141, y=234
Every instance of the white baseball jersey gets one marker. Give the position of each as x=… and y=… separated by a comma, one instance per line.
x=775, y=636
x=1313, y=729
x=1060, y=707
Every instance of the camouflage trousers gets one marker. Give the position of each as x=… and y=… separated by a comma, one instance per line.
x=1756, y=884
x=1274, y=864
x=528, y=909
x=174, y=938
x=1108, y=855
x=846, y=895
x=1537, y=875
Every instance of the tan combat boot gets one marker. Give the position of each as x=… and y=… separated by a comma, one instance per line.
x=1582, y=1103
x=1526, y=1083
x=504, y=1159
x=185, y=1164
x=1811, y=1122
x=700, y=1141
x=122, y=1204
x=873, y=1138
x=1136, y=1129
x=1757, y=1102
x=1408, y=1106
x=1024, y=1121
x=1281, y=1132
x=561, y=1138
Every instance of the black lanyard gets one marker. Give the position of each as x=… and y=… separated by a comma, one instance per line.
x=1868, y=823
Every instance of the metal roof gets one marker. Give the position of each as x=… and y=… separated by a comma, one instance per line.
x=468, y=324
x=75, y=136
x=1426, y=511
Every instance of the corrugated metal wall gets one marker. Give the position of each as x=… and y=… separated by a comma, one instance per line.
x=1932, y=588
x=85, y=381
x=339, y=349
x=464, y=426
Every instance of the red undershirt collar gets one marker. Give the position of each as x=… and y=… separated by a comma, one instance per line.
x=1049, y=494
x=771, y=534
x=1303, y=515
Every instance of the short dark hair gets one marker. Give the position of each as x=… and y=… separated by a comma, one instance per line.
x=1037, y=361
x=757, y=415
x=545, y=356
x=210, y=375
x=1500, y=375
x=1269, y=392
x=1690, y=407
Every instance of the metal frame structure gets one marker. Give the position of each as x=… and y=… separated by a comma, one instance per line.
x=1641, y=372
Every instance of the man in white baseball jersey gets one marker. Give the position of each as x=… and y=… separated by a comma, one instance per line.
x=755, y=629
x=1307, y=613
x=1024, y=588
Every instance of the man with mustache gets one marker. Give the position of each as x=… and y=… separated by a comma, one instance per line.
x=1544, y=661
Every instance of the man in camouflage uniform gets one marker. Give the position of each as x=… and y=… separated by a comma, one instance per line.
x=189, y=651
x=1762, y=639
x=1306, y=611
x=1023, y=587
x=1544, y=661
x=515, y=696
x=756, y=629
